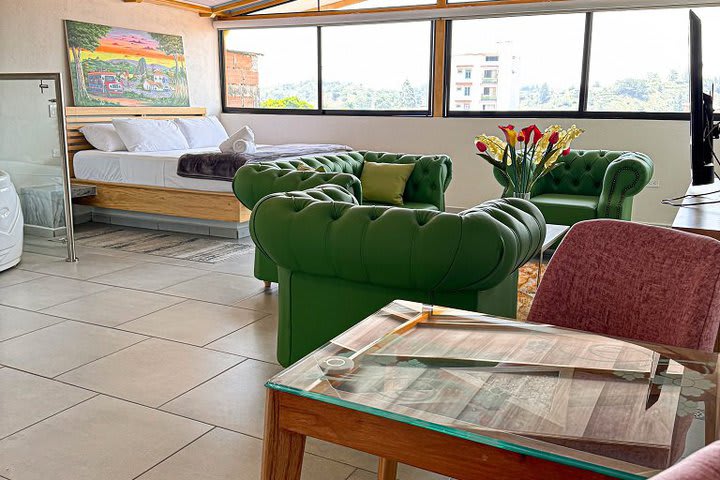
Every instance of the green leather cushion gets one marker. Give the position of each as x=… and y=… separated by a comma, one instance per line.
x=562, y=209
x=413, y=205
x=385, y=182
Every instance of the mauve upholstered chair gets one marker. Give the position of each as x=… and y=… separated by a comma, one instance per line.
x=701, y=465
x=635, y=281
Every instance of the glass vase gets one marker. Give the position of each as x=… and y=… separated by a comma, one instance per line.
x=523, y=195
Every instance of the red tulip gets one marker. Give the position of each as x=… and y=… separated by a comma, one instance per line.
x=554, y=138
x=481, y=147
x=532, y=131
x=566, y=151
x=520, y=137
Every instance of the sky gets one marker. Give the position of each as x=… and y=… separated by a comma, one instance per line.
x=378, y=56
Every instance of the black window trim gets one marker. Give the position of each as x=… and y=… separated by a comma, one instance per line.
x=581, y=113
x=331, y=112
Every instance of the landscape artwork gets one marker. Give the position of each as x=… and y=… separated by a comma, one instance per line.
x=111, y=66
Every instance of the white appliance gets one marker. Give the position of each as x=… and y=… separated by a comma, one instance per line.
x=11, y=224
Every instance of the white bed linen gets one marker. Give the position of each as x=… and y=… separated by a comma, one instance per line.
x=158, y=169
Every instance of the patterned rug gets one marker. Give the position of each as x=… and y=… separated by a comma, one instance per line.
x=183, y=246
x=527, y=286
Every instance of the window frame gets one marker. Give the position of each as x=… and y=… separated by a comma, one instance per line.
x=442, y=107
x=319, y=110
x=582, y=110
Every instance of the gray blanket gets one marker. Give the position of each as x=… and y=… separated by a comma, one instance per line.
x=222, y=166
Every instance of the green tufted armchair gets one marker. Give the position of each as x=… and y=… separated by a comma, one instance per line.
x=591, y=184
x=425, y=188
x=338, y=261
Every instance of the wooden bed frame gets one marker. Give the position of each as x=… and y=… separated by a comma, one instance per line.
x=140, y=198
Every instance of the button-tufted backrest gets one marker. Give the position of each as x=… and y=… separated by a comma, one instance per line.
x=397, y=247
x=429, y=179
x=582, y=173
x=350, y=162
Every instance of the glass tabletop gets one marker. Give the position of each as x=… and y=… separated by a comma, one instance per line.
x=627, y=410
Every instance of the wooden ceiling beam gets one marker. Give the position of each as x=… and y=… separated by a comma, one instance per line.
x=243, y=13
x=201, y=9
x=232, y=6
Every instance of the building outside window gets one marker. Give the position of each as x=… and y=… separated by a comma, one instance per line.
x=514, y=73
x=466, y=91
x=468, y=74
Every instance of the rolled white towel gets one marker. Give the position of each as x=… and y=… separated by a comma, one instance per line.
x=242, y=141
x=243, y=146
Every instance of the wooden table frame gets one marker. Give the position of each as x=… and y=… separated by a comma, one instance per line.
x=290, y=418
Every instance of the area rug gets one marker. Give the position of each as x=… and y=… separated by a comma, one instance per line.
x=527, y=286
x=183, y=246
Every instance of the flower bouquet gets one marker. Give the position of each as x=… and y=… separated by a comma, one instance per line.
x=526, y=155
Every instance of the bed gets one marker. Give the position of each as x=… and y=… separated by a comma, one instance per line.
x=145, y=182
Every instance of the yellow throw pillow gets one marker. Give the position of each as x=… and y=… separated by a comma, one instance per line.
x=385, y=182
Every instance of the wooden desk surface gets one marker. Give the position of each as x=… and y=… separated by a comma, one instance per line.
x=700, y=219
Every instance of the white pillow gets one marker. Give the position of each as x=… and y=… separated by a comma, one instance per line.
x=202, y=132
x=145, y=135
x=103, y=137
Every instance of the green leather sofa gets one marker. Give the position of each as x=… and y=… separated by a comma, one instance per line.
x=338, y=262
x=591, y=184
x=425, y=188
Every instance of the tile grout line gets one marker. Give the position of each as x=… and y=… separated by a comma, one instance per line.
x=180, y=297
x=175, y=453
x=263, y=317
x=49, y=416
x=159, y=407
x=100, y=358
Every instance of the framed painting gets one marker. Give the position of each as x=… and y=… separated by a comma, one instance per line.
x=119, y=67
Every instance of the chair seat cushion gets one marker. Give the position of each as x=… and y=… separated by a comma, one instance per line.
x=562, y=209
x=413, y=205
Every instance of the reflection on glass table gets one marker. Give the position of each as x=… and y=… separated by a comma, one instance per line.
x=603, y=405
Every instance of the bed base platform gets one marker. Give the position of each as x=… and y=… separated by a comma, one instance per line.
x=165, y=201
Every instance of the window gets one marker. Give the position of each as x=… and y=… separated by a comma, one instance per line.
x=379, y=67
x=273, y=68
x=297, y=6
x=513, y=54
x=466, y=91
x=468, y=74
x=639, y=61
x=372, y=67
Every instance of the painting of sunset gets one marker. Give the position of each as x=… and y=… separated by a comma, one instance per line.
x=111, y=66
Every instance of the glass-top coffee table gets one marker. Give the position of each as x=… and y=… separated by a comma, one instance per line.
x=472, y=396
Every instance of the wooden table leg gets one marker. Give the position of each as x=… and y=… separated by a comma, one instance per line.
x=387, y=469
x=283, y=450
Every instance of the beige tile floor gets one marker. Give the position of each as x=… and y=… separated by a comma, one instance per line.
x=130, y=366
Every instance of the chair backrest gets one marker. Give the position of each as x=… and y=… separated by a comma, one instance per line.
x=634, y=281
x=582, y=173
x=701, y=465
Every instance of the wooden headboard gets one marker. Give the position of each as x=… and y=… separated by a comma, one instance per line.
x=76, y=117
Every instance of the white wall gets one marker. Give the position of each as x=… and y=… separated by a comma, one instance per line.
x=32, y=38
x=667, y=143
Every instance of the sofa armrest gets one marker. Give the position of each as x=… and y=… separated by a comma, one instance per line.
x=396, y=247
x=252, y=182
x=429, y=180
x=624, y=178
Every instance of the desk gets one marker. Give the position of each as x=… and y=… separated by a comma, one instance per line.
x=472, y=396
x=700, y=219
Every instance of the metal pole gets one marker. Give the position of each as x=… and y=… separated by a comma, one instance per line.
x=67, y=186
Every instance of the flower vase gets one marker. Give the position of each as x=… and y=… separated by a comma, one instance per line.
x=523, y=195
